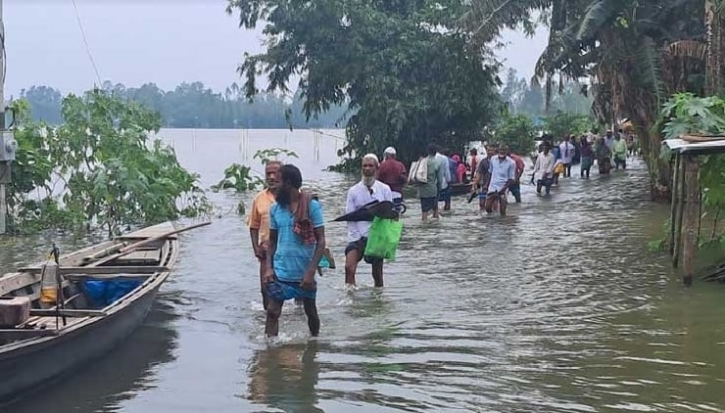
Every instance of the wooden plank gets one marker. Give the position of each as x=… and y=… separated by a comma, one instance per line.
x=80, y=277
x=25, y=333
x=15, y=281
x=677, y=253
x=691, y=218
x=673, y=205
x=151, y=232
x=126, y=269
x=68, y=313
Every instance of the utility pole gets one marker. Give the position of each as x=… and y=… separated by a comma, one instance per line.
x=4, y=166
x=7, y=141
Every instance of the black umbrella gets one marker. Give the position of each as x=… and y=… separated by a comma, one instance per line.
x=382, y=209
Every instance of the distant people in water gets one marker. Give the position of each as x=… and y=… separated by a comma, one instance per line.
x=619, y=152
x=296, y=245
x=515, y=188
x=428, y=192
x=481, y=176
x=502, y=174
x=392, y=172
x=544, y=169
x=567, y=151
x=587, y=157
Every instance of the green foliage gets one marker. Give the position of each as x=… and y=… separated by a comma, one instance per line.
x=686, y=113
x=192, y=105
x=404, y=69
x=516, y=131
x=562, y=124
x=529, y=98
x=239, y=177
x=273, y=154
x=98, y=169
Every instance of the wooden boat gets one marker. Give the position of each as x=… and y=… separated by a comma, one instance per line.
x=55, y=339
x=461, y=189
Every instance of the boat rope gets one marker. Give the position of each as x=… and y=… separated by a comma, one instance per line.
x=85, y=41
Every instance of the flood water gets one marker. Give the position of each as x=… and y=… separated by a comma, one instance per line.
x=559, y=307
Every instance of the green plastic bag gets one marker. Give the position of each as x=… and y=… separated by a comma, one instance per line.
x=383, y=238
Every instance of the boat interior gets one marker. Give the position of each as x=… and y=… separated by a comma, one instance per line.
x=46, y=298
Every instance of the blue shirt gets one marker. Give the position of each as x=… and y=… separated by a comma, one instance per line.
x=453, y=171
x=501, y=172
x=292, y=258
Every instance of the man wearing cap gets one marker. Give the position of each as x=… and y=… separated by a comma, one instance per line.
x=392, y=172
x=367, y=190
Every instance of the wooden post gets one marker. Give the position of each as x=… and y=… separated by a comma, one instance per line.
x=673, y=205
x=679, y=206
x=691, y=218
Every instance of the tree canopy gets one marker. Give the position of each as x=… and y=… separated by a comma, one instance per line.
x=634, y=54
x=410, y=75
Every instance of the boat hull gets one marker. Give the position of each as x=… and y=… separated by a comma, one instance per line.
x=461, y=189
x=29, y=367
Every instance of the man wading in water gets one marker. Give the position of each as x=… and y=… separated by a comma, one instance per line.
x=392, y=173
x=259, y=221
x=364, y=192
x=502, y=174
x=296, y=245
x=481, y=176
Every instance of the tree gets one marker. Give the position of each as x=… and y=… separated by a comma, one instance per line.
x=516, y=131
x=45, y=103
x=408, y=74
x=99, y=169
x=634, y=53
x=192, y=105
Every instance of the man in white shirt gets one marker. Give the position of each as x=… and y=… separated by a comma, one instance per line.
x=502, y=174
x=544, y=169
x=567, y=151
x=364, y=192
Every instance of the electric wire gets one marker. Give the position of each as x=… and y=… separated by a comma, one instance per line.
x=85, y=42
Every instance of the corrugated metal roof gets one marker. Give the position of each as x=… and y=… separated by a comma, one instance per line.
x=682, y=146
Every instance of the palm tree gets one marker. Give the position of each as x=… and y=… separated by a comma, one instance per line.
x=634, y=53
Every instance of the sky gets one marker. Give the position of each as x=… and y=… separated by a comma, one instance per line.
x=138, y=41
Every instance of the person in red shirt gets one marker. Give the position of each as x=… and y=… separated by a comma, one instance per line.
x=392, y=172
x=515, y=189
x=460, y=169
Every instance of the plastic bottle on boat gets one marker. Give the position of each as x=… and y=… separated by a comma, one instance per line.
x=49, y=286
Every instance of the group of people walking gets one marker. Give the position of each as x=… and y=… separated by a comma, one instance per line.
x=554, y=160
x=287, y=228
x=287, y=231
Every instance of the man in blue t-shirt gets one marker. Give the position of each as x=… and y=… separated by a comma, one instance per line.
x=296, y=245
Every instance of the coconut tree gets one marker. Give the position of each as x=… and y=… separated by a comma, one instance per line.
x=633, y=53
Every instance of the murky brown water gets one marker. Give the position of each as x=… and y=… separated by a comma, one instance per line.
x=558, y=307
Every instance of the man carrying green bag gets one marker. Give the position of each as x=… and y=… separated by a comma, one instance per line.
x=383, y=238
x=368, y=190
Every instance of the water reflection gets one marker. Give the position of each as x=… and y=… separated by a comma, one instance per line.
x=118, y=376
x=285, y=377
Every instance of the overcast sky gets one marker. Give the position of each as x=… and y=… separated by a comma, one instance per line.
x=137, y=41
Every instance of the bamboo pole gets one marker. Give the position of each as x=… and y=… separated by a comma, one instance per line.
x=691, y=218
x=673, y=206
x=680, y=199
